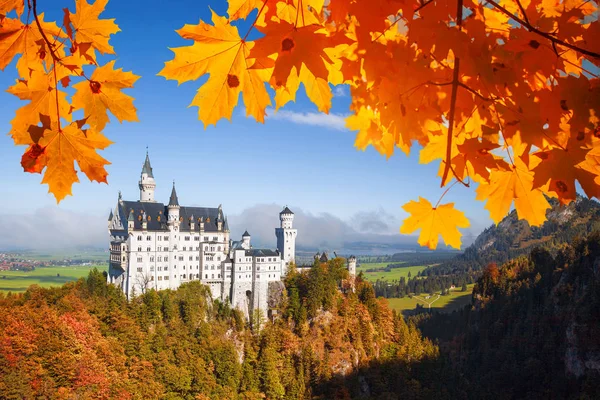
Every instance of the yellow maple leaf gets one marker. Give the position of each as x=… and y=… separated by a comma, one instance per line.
x=220, y=49
x=40, y=89
x=514, y=184
x=102, y=93
x=61, y=148
x=89, y=28
x=442, y=220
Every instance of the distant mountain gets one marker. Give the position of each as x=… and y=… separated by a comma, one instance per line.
x=513, y=237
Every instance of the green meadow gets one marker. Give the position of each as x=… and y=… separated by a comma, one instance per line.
x=19, y=281
x=393, y=274
x=454, y=301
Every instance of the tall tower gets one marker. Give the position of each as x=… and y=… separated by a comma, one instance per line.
x=147, y=183
x=352, y=266
x=286, y=236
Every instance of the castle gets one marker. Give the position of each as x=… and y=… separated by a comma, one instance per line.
x=158, y=246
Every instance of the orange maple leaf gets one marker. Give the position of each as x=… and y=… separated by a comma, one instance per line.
x=7, y=6
x=442, y=220
x=220, y=49
x=102, y=93
x=57, y=151
x=89, y=28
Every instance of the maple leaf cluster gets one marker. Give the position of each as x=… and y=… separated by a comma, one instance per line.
x=49, y=60
x=502, y=93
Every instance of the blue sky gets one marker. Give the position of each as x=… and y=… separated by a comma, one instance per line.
x=297, y=158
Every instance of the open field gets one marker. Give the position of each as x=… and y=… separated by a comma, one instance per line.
x=393, y=274
x=19, y=281
x=97, y=255
x=454, y=301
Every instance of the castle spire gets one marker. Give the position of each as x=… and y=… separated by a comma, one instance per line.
x=147, y=168
x=173, y=201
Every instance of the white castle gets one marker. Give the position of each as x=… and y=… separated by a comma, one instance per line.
x=158, y=246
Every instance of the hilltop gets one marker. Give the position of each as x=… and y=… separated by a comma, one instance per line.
x=512, y=237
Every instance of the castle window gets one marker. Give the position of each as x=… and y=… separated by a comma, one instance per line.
x=139, y=217
x=151, y=259
x=158, y=218
x=197, y=238
x=191, y=258
x=180, y=258
x=159, y=238
x=166, y=238
x=219, y=248
x=197, y=258
x=139, y=259
x=152, y=278
x=139, y=237
x=166, y=268
x=208, y=220
x=180, y=219
x=215, y=238
x=197, y=276
x=213, y=276
x=148, y=237
x=149, y=218
x=206, y=238
x=205, y=276
x=187, y=238
x=160, y=278
x=148, y=248
x=139, y=248
x=184, y=248
x=159, y=258
x=139, y=269
x=159, y=248
x=166, y=278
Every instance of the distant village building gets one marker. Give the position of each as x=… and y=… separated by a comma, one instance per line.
x=161, y=246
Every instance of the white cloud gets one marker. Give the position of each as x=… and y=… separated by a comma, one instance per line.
x=329, y=121
x=339, y=91
x=52, y=228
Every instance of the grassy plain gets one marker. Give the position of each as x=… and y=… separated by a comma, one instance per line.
x=454, y=301
x=19, y=281
x=393, y=274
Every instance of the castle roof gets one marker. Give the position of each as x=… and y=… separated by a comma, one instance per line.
x=157, y=214
x=286, y=210
x=173, y=201
x=110, y=216
x=261, y=253
x=246, y=234
x=147, y=168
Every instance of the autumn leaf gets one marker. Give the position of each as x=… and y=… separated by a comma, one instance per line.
x=61, y=148
x=442, y=220
x=103, y=93
x=219, y=48
x=514, y=184
x=7, y=6
x=88, y=28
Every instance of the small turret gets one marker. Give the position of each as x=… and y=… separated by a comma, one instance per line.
x=220, y=219
x=246, y=240
x=130, y=221
x=173, y=208
x=352, y=266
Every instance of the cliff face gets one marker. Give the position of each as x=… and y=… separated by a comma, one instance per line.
x=535, y=323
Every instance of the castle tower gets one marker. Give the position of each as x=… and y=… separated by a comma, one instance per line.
x=147, y=184
x=352, y=265
x=286, y=236
x=246, y=240
x=173, y=208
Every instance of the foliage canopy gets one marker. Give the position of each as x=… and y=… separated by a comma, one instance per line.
x=502, y=93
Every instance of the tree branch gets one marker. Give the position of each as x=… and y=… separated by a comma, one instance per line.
x=541, y=33
x=39, y=25
x=455, y=84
